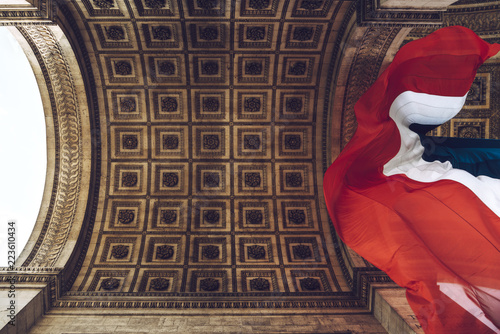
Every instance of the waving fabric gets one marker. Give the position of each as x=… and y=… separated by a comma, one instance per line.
x=434, y=229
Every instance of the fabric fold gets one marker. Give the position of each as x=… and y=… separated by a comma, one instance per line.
x=430, y=226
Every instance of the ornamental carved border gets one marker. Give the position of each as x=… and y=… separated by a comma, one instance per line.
x=65, y=195
x=118, y=303
x=25, y=277
x=480, y=19
x=41, y=12
x=370, y=13
x=363, y=278
x=363, y=73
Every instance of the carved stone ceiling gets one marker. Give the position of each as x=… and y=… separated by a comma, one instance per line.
x=211, y=159
x=211, y=122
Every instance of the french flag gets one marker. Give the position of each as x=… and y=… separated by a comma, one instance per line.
x=432, y=227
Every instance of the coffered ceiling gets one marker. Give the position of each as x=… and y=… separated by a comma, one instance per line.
x=211, y=161
x=211, y=126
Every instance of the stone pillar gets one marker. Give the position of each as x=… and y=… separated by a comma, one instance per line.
x=391, y=309
x=29, y=306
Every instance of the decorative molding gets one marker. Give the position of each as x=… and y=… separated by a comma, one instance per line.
x=369, y=13
x=42, y=12
x=31, y=270
x=25, y=276
x=66, y=195
x=363, y=73
x=112, y=300
x=182, y=304
x=480, y=19
x=356, y=278
x=332, y=74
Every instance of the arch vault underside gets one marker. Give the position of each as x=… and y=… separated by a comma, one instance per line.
x=190, y=142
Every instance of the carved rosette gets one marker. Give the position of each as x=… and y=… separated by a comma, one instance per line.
x=126, y=216
x=127, y=104
x=302, y=251
x=210, y=104
x=252, y=179
x=169, y=104
x=296, y=217
x=155, y=4
x=258, y=4
x=209, y=284
x=256, y=33
x=207, y=4
x=252, y=104
x=168, y=217
x=254, y=217
x=210, y=252
x=70, y=147
x=211, y=180
x=110, y=283
x=299, y=68
x=310, y=284
x=129, y=179
x=311, y=4
x=119, y=251
x=170, y=142
x=259, y=284
x=209, y=33
x=469, y=132
x=293, y=179
x=115, y=33
x=130, y=142
x=293, y=104
x=256, y=252
x=123, y=68
x=170, y=180
x=166, y=68
x=211, y=216
x=253, y=68
x=210, y=68
x=211, y=142
x=164, y=252
x=303, y=33
x=159, y=284
x=162, y=33
x=292, y=142
x=104, y=3
x=251, y=142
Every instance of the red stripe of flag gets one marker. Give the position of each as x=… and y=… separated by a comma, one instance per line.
x=421, y=234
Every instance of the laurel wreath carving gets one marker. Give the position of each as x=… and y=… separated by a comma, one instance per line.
x=70, y=146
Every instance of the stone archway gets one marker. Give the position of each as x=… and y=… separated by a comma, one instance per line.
x=47, y=257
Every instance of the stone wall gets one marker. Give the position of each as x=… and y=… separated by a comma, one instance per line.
x=339, y=324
